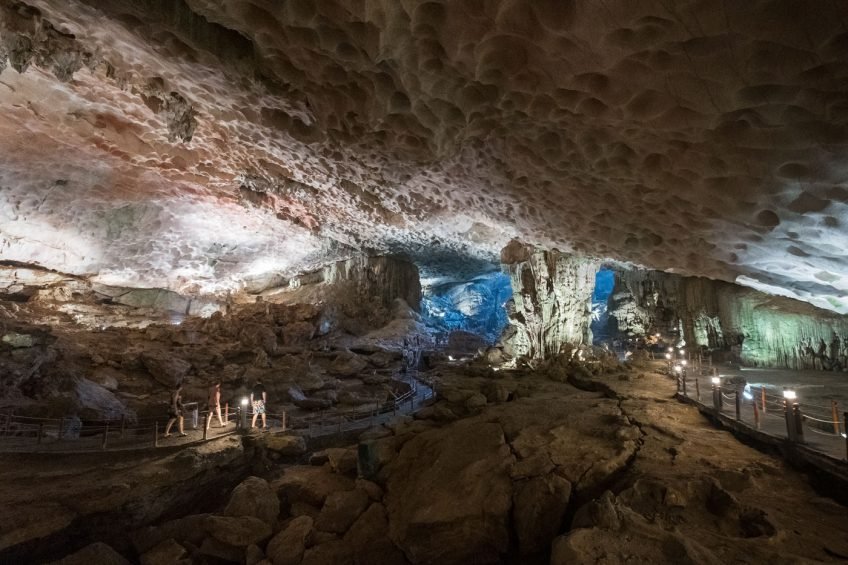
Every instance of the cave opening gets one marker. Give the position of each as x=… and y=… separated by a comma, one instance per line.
x=600, y=325
x=473, y=306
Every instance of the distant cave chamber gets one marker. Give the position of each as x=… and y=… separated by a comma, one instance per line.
x=476, y=306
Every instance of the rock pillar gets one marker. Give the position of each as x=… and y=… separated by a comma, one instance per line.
x=552, y=293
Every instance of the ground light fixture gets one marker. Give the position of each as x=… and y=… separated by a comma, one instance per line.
x=668, y=355
x=789, y=394
x=716, y=380
x=244, y=401
x=678, y=368
x=683, y=362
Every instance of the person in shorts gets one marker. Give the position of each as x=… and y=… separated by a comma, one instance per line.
x=214, y=404
x=175, y=412
x=258, y=398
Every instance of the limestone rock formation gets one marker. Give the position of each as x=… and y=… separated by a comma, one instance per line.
x=758, y=329
x=701, y=140
x=551, y=299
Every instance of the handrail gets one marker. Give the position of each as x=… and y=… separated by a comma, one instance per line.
x=75, y=433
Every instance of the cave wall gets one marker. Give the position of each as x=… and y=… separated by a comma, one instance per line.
x=552, y=294
x=759, y=329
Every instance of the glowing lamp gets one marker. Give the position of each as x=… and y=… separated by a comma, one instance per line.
x=683, y=362
x=789, y=395
x=668, y=355
x=450, y=357
x=244, y=401
x=657, y=335
x=678, y=368
x=670, y=349
x=716, y=380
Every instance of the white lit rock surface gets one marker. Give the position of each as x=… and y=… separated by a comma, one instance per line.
x=201, y=145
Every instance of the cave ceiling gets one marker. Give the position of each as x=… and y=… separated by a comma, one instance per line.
x=194, y=144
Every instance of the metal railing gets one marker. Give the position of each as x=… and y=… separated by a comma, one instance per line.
x=777, y=416
x=20, y=433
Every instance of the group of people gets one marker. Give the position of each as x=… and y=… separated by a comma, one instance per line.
x=258, y=398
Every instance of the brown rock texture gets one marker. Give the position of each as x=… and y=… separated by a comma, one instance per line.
x=702, y=137
x=551, y=300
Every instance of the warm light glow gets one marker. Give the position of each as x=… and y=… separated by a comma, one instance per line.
x=450, y=357
x=244, y=401
x=678, y=368
x=668, y=355
x=716, y=380
x=683, y=362
x=670, y=349
x=789, y=395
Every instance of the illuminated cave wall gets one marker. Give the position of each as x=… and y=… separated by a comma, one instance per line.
x=757, y=328
x=475, y=306
x=604, y=285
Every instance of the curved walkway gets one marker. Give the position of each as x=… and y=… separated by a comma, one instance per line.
x=20, y=434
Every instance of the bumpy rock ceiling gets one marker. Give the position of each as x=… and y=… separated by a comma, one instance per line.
x=193, y=144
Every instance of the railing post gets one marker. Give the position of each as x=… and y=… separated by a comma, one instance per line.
x=763, y=397
x=40, y=432
x=738, y=403
x=790, y=426
x=205, y=427
x=845, y=427
x=155, y=434
x=227, y=413
x=698, y=388
x=683, y=377
x=799, y=421
x=105, y=435
x=717, y=397
x=756, y=414
x=835, y=412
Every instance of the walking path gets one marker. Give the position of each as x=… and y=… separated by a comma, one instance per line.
x=815, y=425
x=20, y=434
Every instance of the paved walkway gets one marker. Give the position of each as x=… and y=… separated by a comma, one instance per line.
x=27, y=435
x=818, y=434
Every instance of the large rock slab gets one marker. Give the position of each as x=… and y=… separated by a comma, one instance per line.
x=341, y=509
x=312, y=485
x=254, y=497
x=288, y=546
x=98, y=553
x=239, y=531
x=449, y=495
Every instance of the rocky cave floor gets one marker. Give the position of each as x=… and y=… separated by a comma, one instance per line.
x=508, y=466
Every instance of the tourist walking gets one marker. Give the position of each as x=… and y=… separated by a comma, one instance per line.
x=214, y=404
x=258, y=398
x=175, y=413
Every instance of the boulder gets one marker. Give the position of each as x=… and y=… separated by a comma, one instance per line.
x=18, y=340
x=287, y=547
x=334, y=552
x=220, y=551
x=342, y=460
x=285, y=445
x=98, y=553
x=254, y=497
x=254, y=555
x=341, y=509
x=165, y=368
x=347, y=364
x=166, y=553
x=298, y=333
x=368, y=539
x=539, y=506
x=312, y=485
x=475, y=402
x=449, y=495
x=238, y=531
